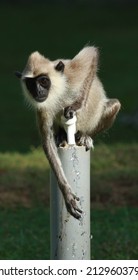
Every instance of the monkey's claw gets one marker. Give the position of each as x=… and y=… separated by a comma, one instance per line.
x=69, y=113
x=71, y=205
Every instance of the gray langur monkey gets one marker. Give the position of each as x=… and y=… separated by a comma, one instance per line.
x=67, y=86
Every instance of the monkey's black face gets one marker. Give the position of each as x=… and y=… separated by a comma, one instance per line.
x=38, y=87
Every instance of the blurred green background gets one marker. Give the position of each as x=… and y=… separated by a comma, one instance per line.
x=60, y=29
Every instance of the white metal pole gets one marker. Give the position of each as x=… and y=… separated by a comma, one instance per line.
x=70, y=238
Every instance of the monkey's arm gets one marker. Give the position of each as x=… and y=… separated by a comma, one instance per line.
x=46, y=130
x=88, y=60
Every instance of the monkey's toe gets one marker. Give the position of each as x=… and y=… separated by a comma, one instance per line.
x=86, y=141
x=63, y=144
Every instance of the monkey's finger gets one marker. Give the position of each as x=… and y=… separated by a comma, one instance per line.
x=74, y=210
x=78, y=211
x=76, y=197
x=75, y=214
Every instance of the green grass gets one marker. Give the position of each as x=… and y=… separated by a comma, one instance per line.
x=115, y=234
x=24, y=178
x=25, y=234
x=24, y=203
x=114, y=174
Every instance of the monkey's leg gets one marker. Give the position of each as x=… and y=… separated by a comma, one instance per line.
x=85, y=87
x=111, y=110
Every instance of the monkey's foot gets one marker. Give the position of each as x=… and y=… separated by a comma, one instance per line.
x=63, y=144
x=72, y=208
x=84, y=140
x=69, y=113
x=61, y=138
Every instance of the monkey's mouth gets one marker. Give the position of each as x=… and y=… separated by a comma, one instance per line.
x=40, y=99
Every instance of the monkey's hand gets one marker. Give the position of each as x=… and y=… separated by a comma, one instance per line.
x=69, y=112
x=70, y=201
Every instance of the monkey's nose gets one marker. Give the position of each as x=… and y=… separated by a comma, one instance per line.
x=18, y=74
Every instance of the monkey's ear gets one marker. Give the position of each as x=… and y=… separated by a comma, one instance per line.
x=18, y=74
x=60, y=66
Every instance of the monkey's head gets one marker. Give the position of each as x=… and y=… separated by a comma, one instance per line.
x=42, y=79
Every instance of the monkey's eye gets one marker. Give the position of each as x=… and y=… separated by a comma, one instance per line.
x=43, y=81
